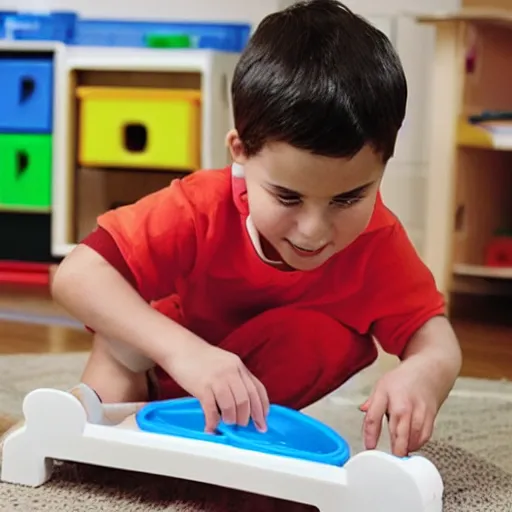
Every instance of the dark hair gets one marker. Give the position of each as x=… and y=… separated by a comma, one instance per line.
x=322, y=79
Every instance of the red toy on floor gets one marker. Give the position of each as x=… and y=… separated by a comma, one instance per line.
x=19, y=272
x=499, y=251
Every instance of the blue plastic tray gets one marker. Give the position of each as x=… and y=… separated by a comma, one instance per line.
x=69, y=28
x=290, y=433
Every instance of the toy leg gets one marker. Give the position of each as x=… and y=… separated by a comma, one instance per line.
x=299, y=355
x=19, y=464
x=379, y=481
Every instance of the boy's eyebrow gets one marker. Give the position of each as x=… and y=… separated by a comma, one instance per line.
x=354, y=192
x=344, y=195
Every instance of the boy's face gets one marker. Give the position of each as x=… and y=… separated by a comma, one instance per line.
x=307, y=207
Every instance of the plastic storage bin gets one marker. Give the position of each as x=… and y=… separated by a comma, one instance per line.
x=69, y=28
x=26, y=95
x=52, y=26
x=25, y=171
x=228, y=37
x=143, y=128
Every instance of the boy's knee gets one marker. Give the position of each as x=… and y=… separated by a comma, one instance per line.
x=317, y=339
x=128, y=357
x=116, y=375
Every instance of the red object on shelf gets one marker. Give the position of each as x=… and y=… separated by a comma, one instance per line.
x=20, y=272
x=499, y=252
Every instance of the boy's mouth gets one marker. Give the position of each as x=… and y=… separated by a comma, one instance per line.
x=305, y=252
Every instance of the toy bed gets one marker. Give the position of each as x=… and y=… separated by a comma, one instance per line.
x=298, y=459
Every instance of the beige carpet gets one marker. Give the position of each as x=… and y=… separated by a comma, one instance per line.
x=472, y=449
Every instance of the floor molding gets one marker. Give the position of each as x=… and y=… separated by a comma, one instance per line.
x=35, y=319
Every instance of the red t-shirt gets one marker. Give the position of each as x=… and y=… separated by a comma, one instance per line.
x=190, y=240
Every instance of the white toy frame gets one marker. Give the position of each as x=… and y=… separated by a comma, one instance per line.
x=59, y=427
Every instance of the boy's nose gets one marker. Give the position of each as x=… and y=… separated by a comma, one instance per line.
x=313, y=229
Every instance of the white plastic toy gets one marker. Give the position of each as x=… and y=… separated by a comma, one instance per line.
x=59, y=426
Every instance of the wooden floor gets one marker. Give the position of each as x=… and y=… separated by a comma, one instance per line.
x=484, y=329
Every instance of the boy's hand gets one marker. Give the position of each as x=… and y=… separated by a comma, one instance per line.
x=223, y=385
x=408, y=396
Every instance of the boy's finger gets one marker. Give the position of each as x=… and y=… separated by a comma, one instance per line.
x=226, y=402
x=426, y=433
x=399, y=430
x=418, y=419
x=256, y=407
x=242, y=400
x=210, y=410
x=373, y=420
x=262, y=392
x=263, y=402
x=364, y=407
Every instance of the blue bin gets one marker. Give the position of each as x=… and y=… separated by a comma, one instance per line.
x=214, y=36
x=3, y=16
x=69, y=28
x=26, y=95
x=54, y=26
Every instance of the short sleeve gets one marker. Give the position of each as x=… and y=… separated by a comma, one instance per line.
x=156, y=238
x=400, y=290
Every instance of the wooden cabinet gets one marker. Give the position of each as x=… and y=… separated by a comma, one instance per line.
x=469, y=193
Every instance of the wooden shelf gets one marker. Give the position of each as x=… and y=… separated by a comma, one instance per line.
x=488, y=15
x=469, y=186
x=98, y=190
x=462, y=269
x=478, y=136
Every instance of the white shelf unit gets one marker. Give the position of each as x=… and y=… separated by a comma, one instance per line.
x=216, y=71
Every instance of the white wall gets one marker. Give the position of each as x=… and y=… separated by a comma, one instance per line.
x=218, y=10
x=404, y=182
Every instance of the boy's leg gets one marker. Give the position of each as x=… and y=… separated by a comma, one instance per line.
x=115, y=374
x=119, y=373
x=299, y=355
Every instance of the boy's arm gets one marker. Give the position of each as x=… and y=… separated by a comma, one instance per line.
x=408, y=320
x=400, y=292
x=436, y=348
x=155, y=241
x=94, y=292
x=412, y=394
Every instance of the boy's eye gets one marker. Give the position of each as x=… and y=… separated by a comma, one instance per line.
x=289, y=200
x=346, y=202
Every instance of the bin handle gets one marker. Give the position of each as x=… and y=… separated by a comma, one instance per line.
x=21, y=163
x=27, y=88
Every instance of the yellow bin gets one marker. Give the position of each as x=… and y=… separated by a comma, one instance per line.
x=133, y=127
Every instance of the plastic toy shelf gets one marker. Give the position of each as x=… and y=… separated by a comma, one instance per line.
x=484, y=137
x=484, y=271
x=59, y=426
x=69, y=28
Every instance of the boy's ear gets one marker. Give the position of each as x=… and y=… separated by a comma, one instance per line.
x=236, y=147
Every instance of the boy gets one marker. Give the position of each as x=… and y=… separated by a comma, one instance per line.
x=268, y=281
